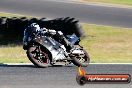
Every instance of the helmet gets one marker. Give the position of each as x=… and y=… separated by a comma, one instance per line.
x=34, y=27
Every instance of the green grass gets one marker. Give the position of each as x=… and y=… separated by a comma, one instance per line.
x=126, y=2
x=108, y=44
x=2, y=14
x=13, y=55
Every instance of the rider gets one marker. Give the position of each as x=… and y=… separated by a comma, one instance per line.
x=31, y=29
x=34, y=28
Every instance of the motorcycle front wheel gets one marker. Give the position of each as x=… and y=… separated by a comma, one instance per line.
x=38, y=56
x=81, y=60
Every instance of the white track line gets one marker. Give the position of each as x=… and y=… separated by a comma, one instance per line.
x=17, y=64
x=112, y=63
x=90, y=64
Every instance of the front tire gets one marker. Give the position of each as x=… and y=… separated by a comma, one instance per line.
x=39, y=56
x=81, y=60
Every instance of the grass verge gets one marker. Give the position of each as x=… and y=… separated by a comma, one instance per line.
x=2, y=14
x=108, y=44
x=13, y=55
x=124, y=2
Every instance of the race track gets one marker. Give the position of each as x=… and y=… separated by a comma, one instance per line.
x=85, y=13
x=27, y=76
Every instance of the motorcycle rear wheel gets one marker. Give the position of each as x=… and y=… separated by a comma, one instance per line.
x=38, y=57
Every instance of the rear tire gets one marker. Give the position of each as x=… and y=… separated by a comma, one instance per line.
x=38, y=56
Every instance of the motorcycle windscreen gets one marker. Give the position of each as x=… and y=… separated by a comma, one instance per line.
x=72, y=38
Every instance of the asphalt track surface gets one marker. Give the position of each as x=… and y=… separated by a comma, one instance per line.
x=28, y=76
x=58, y=8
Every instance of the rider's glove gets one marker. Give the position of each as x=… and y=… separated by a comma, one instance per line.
x=60, y=33
x=48, y=31
x=53, y=32
x=44, y=30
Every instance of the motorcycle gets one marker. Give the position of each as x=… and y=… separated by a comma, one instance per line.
x=43, y=50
